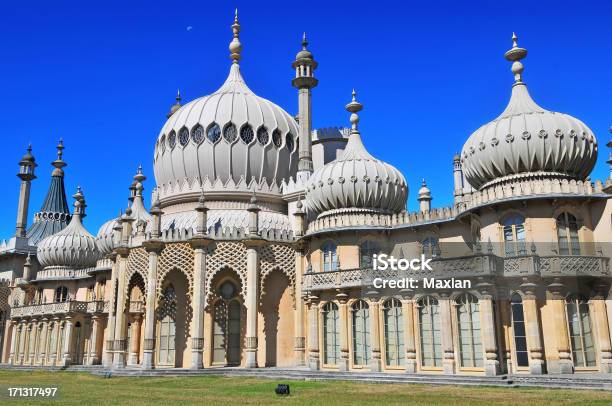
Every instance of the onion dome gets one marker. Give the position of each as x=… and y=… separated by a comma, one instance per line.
x=28, y=157
x=106, y=236
x=424, y=192
x=176, y=105
x=72, y=247
x=527, y=141
x=356, y=180
x=230, y=135
x=304, y=52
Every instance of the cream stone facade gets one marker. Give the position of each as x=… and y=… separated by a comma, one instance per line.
x=257, y=249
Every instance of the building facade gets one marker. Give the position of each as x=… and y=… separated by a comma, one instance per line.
x=257, y=249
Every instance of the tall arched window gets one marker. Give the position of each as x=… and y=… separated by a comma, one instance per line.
x=78, y=338
x=367, y=250
x=470, y=340
x=331, y=334
x=567, y=234
x=394, y=332
x=430, y=246
x=361, y=333
x=167, y=326
x=514, y=234
x=329, y=256
x=518, y=328
x=580, y=332
x=429, y=332
x=61, y=294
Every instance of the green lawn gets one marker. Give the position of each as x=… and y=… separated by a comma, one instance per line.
x=86, y=389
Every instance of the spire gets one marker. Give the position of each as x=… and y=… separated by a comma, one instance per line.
x=354, y=107
x=235, y=47
x=304, y=41
x=515, y=55
x=59, y=162
x=54, y=214
x=176, y=105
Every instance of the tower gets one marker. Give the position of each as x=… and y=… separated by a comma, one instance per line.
x=457, y=177
x=424, y=198
x=26, y=174
x=304, y=81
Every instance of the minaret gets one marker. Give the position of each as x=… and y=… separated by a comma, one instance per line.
x=424, y=197
x=26, y=174
x=304, y=81
x=457, y=177
x=608, y=185
x=54, y=214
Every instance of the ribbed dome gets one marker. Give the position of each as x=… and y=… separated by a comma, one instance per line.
x=105, y=237
x=527, y=139
x=356, y=180
x=72, y=247
x=230, y=134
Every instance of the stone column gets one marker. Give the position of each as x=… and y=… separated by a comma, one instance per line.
x=23, y=334
x=199, y=244
x=67, y=350
x=33, y=347
x=409, y=333
x=120, y=345
x=343, y=364
x=107, y=357
x=94, y=359
x=135, y=340
x=491, y=363
x=57, y=331
x=153, y=247
x=313, y=334
x=299, y=339
x=44, y=337
x=375, y=362
x=556, y=300
x=14, y=352
x=532, y=328
x=506, y=322
x=251, y=301
x=448, y=362
x=597, y=307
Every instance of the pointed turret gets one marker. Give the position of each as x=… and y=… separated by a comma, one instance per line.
x=54, y=214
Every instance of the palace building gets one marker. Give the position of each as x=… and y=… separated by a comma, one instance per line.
x=255, y=249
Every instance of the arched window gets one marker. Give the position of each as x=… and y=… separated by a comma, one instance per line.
x=394, y=333
x=580, y=332
x=213, y=133
x=430, y=247
x=429, y=330
x=518, y=328
x=78, y=338
x=361, y=333
x=167, y=326
x=277, y=139
x=567, y=234
x=514, y=235
x=246, y=134
x=331, y=334
x=329, y=256
x=61, y=294
x=197, y=134
x=470, y=340
x=230, y=132
x=367, y=250
x=172, y=139
x=184, y=136
x=289, y=142
x=262, y=135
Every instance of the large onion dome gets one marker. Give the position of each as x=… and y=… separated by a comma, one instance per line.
x=230, y=135
x=356, y=180
x=106, y=238
x=73, y=247
x=528, y=141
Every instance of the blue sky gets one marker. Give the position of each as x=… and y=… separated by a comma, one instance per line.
x=103, y=74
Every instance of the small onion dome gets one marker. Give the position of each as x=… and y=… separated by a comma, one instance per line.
x=106, y=236
x=304, y=52
x=28, y=157
x=527, y=139
x=176, y=105
x=356, y=180
x=72, y=247
x=424, y=192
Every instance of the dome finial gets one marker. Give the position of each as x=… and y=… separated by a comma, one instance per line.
x=235, y=46
x=354, y=107
x=304, y=41
x=515, y=55
x=79, y=203
x=176, y=105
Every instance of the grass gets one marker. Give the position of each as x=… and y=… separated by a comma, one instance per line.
x=85, y=389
